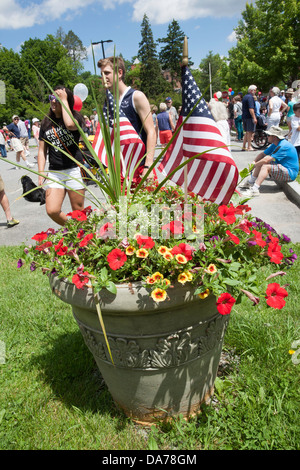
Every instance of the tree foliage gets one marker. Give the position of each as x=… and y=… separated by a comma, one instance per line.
x=170, y=55
x=151, y=80
x=268, y=44
x=212, y=66
x=76, y=50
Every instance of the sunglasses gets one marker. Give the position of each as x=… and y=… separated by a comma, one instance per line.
x=52, y=98
x=16, y=119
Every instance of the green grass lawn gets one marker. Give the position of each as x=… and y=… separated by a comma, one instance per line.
x=52, y=396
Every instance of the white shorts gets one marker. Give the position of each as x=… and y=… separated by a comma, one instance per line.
x=17, y=145
x=70, y=177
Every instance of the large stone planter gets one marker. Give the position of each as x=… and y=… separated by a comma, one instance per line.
x=165, y=355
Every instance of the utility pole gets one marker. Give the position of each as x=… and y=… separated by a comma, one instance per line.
x=102, y=42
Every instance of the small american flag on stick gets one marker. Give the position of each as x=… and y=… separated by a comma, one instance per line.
x=213, y=175
x=132, y=146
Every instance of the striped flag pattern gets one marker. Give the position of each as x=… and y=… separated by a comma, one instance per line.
x=132, y=146
x=212, y=175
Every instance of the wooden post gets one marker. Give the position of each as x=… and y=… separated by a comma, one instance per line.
x=185, y=60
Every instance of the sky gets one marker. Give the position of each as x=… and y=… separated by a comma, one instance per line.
x=208, y=25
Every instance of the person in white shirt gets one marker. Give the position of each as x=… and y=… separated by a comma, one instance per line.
x=275, y=107
x=295, y=125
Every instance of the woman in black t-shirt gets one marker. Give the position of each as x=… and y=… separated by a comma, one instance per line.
x=59, y=132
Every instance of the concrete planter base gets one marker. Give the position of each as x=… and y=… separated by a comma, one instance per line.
x=166, y=355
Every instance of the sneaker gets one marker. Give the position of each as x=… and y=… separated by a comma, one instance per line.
x=12, y=222
x=29, y=165
x=246, y=184
x=252, y=192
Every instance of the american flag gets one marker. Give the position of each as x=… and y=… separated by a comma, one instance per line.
x=212, y=175
x=132, y=146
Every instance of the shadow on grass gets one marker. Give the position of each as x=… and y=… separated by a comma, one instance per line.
x=70, y=370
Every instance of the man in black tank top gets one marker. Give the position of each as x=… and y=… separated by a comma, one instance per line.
x=133, y=103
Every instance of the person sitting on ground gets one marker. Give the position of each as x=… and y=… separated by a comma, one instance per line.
x=11, y=222
x=164, y=124
x=279, y=160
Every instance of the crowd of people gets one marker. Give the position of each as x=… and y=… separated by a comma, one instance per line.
x=240, y=113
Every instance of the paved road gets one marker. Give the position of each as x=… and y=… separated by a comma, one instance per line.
x=272, y=205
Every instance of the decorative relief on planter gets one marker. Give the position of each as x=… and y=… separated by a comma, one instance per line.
x=173, y=350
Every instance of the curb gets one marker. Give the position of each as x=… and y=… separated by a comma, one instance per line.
x=291, y=190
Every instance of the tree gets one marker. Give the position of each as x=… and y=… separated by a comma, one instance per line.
x=74, y=46
x=268, y=44
x=170, y=55
x=150, y=75
x=11, y=68
x=214, y=64
x=52, y=61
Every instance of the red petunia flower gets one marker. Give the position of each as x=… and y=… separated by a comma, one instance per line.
x=86, y=239
x=80, y=279
x=225, y=303
x=81, y=233
x=59, y=245
x=104, y=230
x=39, y=237
x=258, y=238
x=78, y=215
x=42, y=246
x=233, y=238
x=241, y=208
x=62, y=251
x=174, y=227
x=275, y=295
x=274, y=251
x=145, y=242
x=245, y=226
x=116, y=258
x=183, y=249
x=227, y=214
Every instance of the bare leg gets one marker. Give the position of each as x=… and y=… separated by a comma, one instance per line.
x=54, y=200
x=76, y=200
x=5, y=205
x=19, y=155
x=263, y=174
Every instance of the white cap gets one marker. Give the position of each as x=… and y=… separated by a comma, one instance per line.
x=35, y=120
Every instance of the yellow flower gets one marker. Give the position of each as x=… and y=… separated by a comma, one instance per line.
x=142, y=253
x=292, y=351
x=150, y=280
x=182, y=278
x=189, y=275
x=157, y=276
x=204, y=294
x=159, y=295
x=212, y=269
x=181, y=259
x=130, y=250
x=168, y=256
x=163, y=249
x=166, y=282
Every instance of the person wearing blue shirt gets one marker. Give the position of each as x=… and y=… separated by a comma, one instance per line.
x=249, y=117
x=279, y=160
x=14, y=133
